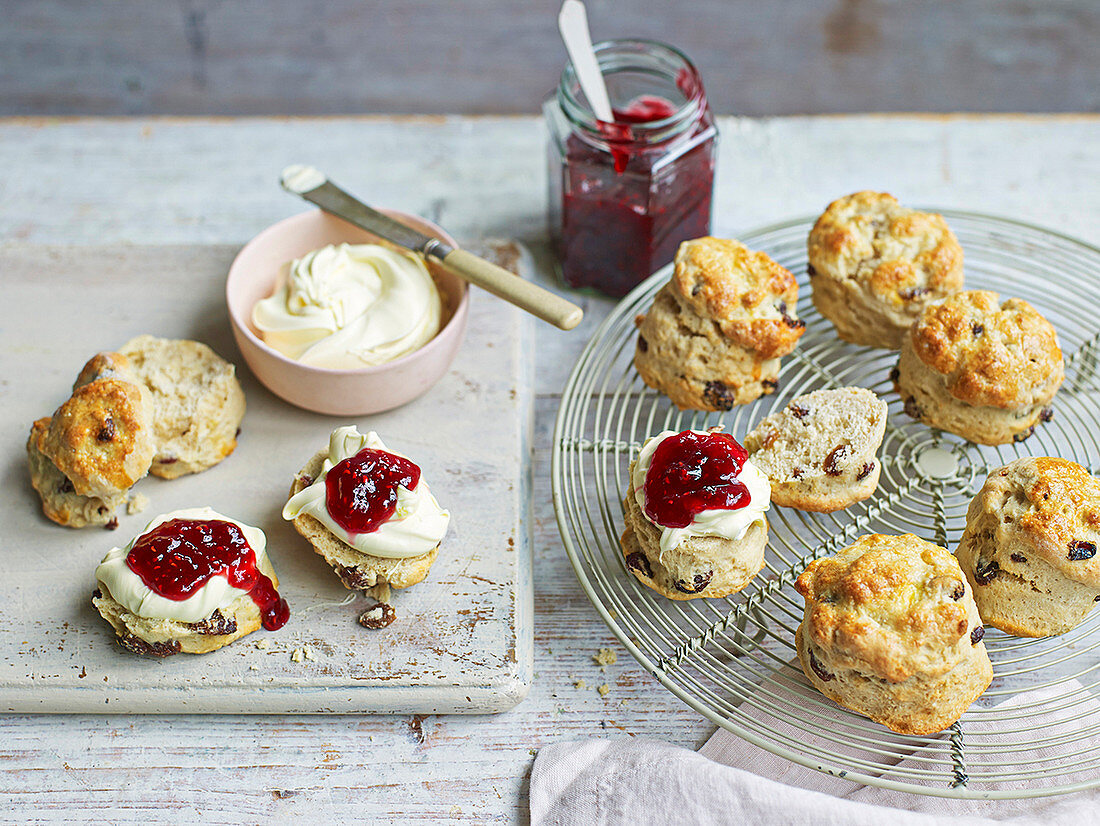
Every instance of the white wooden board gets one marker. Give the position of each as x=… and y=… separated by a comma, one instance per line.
x=462, y=641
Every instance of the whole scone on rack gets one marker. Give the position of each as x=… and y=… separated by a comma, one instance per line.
x=980, y=368
x=818, y=452
x=367, y=512
x=715, y=333
x=891, y=632
x=875, y=265
x=193, y=581
x=1029, y=548
x=694, y=513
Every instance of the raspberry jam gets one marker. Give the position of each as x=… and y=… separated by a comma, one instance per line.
x=361, y=492
x=176, y=559
x=693, y=472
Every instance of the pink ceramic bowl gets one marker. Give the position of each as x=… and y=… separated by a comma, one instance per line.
x=337, y=392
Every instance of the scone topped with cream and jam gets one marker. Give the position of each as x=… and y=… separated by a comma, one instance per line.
x=694, y=512
x=891, y=631
x=367, y=511
x=192, y=581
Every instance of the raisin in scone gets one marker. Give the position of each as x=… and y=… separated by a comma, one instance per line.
x=715, y=333
x=1029, y=548
x=694, y=514
x=980, y=368
x=891, y=631
x=193, y=581
x=367, y=512
x=818, y=452
x=875, y=265
x=198, y=404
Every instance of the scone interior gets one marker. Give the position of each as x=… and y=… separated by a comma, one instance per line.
x=875, y=265
x=1029, y=548
x=983, y=369
x=399, y=552
x=818, y=452
x=892, y=632
x=715, y=333
x=717, y=553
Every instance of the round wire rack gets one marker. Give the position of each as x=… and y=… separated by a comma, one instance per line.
x=732, y=659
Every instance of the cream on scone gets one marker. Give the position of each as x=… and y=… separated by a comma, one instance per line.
x=818, y=452
x=891, y=631
x=1029, y=548
x=694, y=513
x=715, y=333
x=875, y=265
x=367, y=512
x=192, y=582
x=980, y=368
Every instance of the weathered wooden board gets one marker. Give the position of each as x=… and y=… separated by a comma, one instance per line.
x=462, y=639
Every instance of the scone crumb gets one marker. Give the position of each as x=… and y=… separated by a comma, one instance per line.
x=253, y=668
x=263, y=645
x=308, y=652
x=604, y=689
x=605, y=657
x=580, y=684
x=137, y=503
x=298, y=655
x=456, y=810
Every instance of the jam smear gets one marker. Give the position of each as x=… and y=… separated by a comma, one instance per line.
x=361, y=491
x=176, y=559
x=693, y=472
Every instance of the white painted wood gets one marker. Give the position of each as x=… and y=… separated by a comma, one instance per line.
x=154, y=182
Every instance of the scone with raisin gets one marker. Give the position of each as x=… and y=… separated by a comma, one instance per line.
x=694, y=513
x=715, y=333
x=983, y=369
x=891, y=631
x=818, y=452
x=198, y=404
x=1029, y=548
x=367, y=512
x=193, y=581
x=875, y=265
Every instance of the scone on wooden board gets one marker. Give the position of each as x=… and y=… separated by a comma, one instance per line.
x=818, y=452
x=980, y=368
x=193, y=581
x=367, y=512
x=694, y=515
x=891, y=631
x=715, y=333
x=875, y=265
x=1029, y=548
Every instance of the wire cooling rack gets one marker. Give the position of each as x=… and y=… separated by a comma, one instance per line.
x=732, y=659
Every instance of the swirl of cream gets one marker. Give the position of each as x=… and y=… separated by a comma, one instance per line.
x=728, y=524
x=418, y=523
x=126, y=587
x=350, y=306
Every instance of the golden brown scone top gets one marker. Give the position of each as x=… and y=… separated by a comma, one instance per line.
x=101, y=437
x=898, y=252
x=1054, y=506
x=105, y=365
x=1002, y=355
x=896, y=605
x=749, y=296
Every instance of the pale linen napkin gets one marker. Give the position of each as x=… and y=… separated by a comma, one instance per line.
x=636, y=781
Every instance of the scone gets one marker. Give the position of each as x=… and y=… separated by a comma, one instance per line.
x=694, y=514
x=981, y=369
x=891, y=631
x=818, y=452
x=367, y=512
x=198, y=403
x=192, y=582
x=876, y=265
x=60, y=501
x=1029, y=548
x=716, y=331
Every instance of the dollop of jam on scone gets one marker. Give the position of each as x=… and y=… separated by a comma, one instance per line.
x=891, y=631
x=193, y=581
x=368, y=512
x=694, y=510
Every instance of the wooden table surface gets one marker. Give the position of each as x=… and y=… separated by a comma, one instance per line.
x=92, y=181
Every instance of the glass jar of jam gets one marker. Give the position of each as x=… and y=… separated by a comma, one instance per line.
x=624, y=195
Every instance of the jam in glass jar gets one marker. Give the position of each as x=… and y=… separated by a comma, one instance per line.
x=624, y=195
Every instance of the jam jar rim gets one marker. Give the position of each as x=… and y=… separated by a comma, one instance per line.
x=648, y=132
